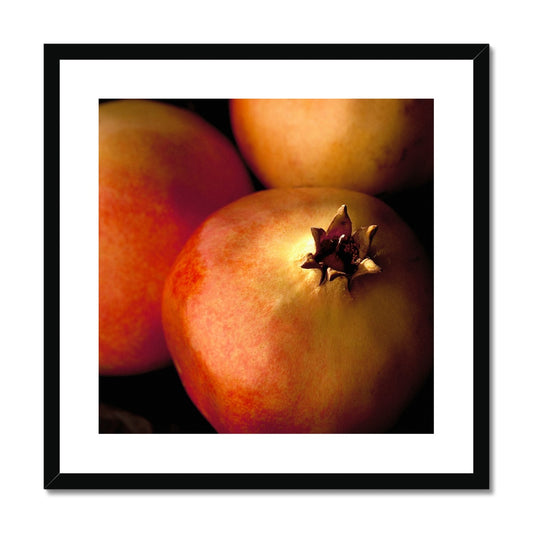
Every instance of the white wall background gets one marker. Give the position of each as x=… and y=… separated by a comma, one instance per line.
x=25, y=506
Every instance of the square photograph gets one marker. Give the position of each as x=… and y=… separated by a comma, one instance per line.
x=265, y=266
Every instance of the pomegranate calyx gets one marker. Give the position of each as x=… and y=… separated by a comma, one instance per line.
x=341, y=253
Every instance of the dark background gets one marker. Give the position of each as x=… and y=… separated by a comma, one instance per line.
x=156, y=402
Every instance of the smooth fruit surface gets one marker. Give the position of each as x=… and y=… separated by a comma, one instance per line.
x=371, y=146
x=262, y=346
x=162, y=171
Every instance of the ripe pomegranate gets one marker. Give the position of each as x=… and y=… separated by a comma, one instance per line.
x=371, y=146
x=162, y=171
x=301, y=310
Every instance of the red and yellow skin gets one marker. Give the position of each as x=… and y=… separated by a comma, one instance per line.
x=371, y=146
x=162, y=171
x=262, y=346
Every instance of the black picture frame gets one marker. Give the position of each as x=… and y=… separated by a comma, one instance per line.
x=478, y=55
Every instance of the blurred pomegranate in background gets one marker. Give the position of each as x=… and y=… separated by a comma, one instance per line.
x=369, y=145
x=163, y=169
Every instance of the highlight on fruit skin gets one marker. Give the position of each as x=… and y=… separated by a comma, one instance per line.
x=341, y=253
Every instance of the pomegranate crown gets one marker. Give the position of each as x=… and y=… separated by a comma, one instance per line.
x=341, y=253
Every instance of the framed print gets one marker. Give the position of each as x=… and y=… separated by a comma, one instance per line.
x=210, y=211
